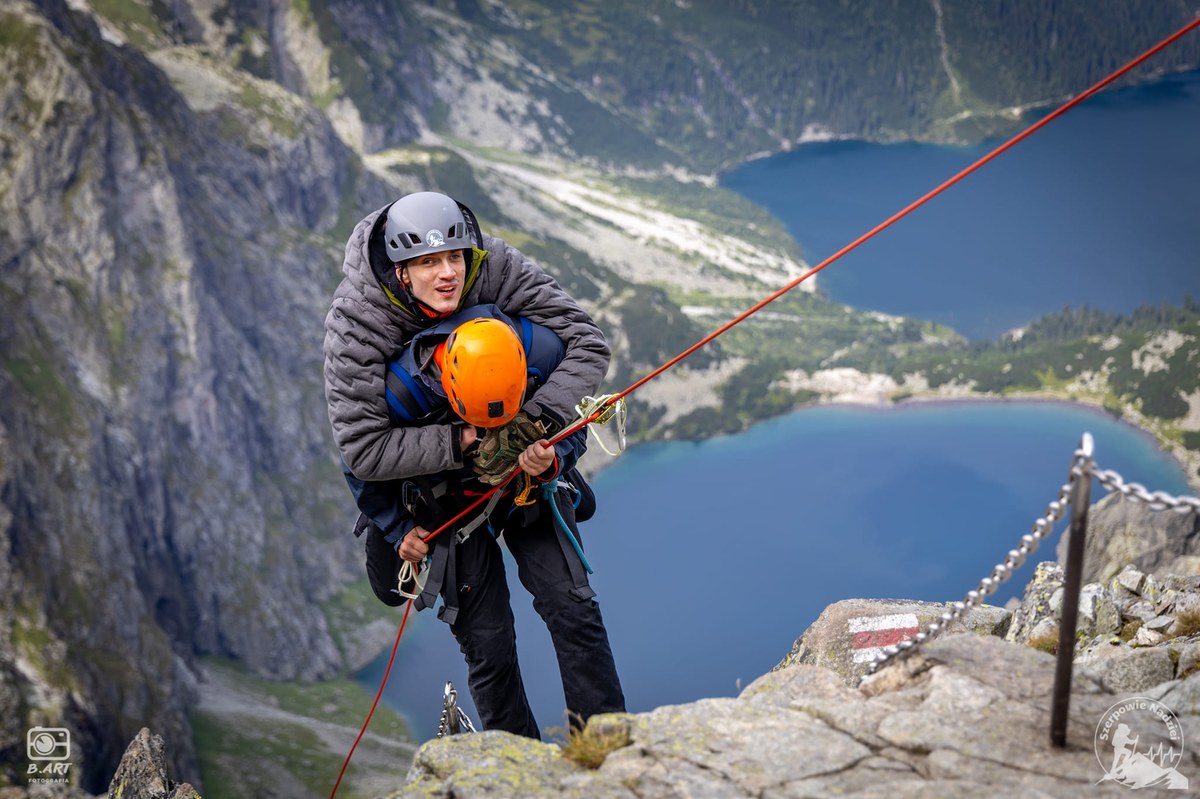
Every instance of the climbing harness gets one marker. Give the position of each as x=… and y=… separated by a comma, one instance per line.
x=454, y=719
x=604, y=404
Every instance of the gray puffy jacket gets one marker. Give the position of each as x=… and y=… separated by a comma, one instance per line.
x=366, y=325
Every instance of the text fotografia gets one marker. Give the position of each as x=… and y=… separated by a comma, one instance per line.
x=48, y=749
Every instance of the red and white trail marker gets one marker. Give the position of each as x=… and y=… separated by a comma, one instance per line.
x=870, y=634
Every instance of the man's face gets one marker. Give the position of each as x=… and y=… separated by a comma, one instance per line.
x=435, y=279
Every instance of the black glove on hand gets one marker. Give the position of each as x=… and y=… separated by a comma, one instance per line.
x=500, y=447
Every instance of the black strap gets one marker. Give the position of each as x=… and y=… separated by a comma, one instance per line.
x=443, y=572
x=441, y=580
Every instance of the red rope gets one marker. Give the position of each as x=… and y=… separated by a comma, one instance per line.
x=915, y=204
x=891, y=220
x=378, y=694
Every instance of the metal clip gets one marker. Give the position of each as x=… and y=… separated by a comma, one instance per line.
x=454, y=719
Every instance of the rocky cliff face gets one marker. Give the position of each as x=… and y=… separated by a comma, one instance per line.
x=967, y=714
x=1124, y=533
x=167, y=486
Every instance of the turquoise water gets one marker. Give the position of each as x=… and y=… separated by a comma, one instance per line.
x=712, y=557
x=1101, y=207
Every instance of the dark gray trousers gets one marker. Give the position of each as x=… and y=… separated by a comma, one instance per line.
x=486, y=636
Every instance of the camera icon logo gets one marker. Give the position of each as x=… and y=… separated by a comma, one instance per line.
x=48, y=743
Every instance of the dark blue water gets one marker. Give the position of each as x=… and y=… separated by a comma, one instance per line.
x=1101, y=207
x=713, y=557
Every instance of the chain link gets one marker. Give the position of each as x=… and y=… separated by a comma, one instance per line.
x=1156, y=500
x=1082, y=465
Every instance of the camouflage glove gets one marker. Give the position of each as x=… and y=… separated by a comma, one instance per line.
x=500, y=446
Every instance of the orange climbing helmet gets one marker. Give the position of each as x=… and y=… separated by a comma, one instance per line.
x=484, y=372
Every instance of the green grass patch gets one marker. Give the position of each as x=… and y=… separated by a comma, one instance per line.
x=1046, y=642
x=273, y=109
x=338, y=701
x=136, y=20
x=40, y=377
x=271, y=754
x=589, y=746
x=259, y=757
x=1187, y=623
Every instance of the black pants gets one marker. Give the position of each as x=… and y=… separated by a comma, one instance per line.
x=487, y=638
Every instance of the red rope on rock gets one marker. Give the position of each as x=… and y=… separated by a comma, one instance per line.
x=378, y=695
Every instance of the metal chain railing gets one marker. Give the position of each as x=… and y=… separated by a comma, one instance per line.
x=1003, y=570
x=1155, y=500
x=1082, y=464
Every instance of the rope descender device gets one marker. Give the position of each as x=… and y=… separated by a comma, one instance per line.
x=609, y=410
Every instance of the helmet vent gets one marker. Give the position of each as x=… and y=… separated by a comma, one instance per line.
x=405, y=240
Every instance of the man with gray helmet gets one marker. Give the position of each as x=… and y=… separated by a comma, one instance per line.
x=408, y=265
x=401, y=275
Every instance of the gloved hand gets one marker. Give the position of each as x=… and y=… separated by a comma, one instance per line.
x=500, y=446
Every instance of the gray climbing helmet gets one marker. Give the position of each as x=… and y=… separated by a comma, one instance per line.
x=422, y=223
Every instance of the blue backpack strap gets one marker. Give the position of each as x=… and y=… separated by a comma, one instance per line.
x=526, y=334
x=405, y=399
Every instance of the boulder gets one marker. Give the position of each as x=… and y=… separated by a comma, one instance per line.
x=848, y=634
x=1042, y=601
x=1125, y=532
x=142, y=772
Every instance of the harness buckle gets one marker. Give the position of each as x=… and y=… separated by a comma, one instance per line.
x=410, y=493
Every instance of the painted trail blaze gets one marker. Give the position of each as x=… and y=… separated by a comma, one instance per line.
x=870, y=634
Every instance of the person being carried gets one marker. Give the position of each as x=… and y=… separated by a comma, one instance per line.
x=408, y=265
x=473, y=370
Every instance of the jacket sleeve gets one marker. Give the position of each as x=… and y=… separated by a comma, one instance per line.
x=524, y=289
x=354, y=388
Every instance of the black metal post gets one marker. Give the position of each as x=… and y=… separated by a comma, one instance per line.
x=1080, y=498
